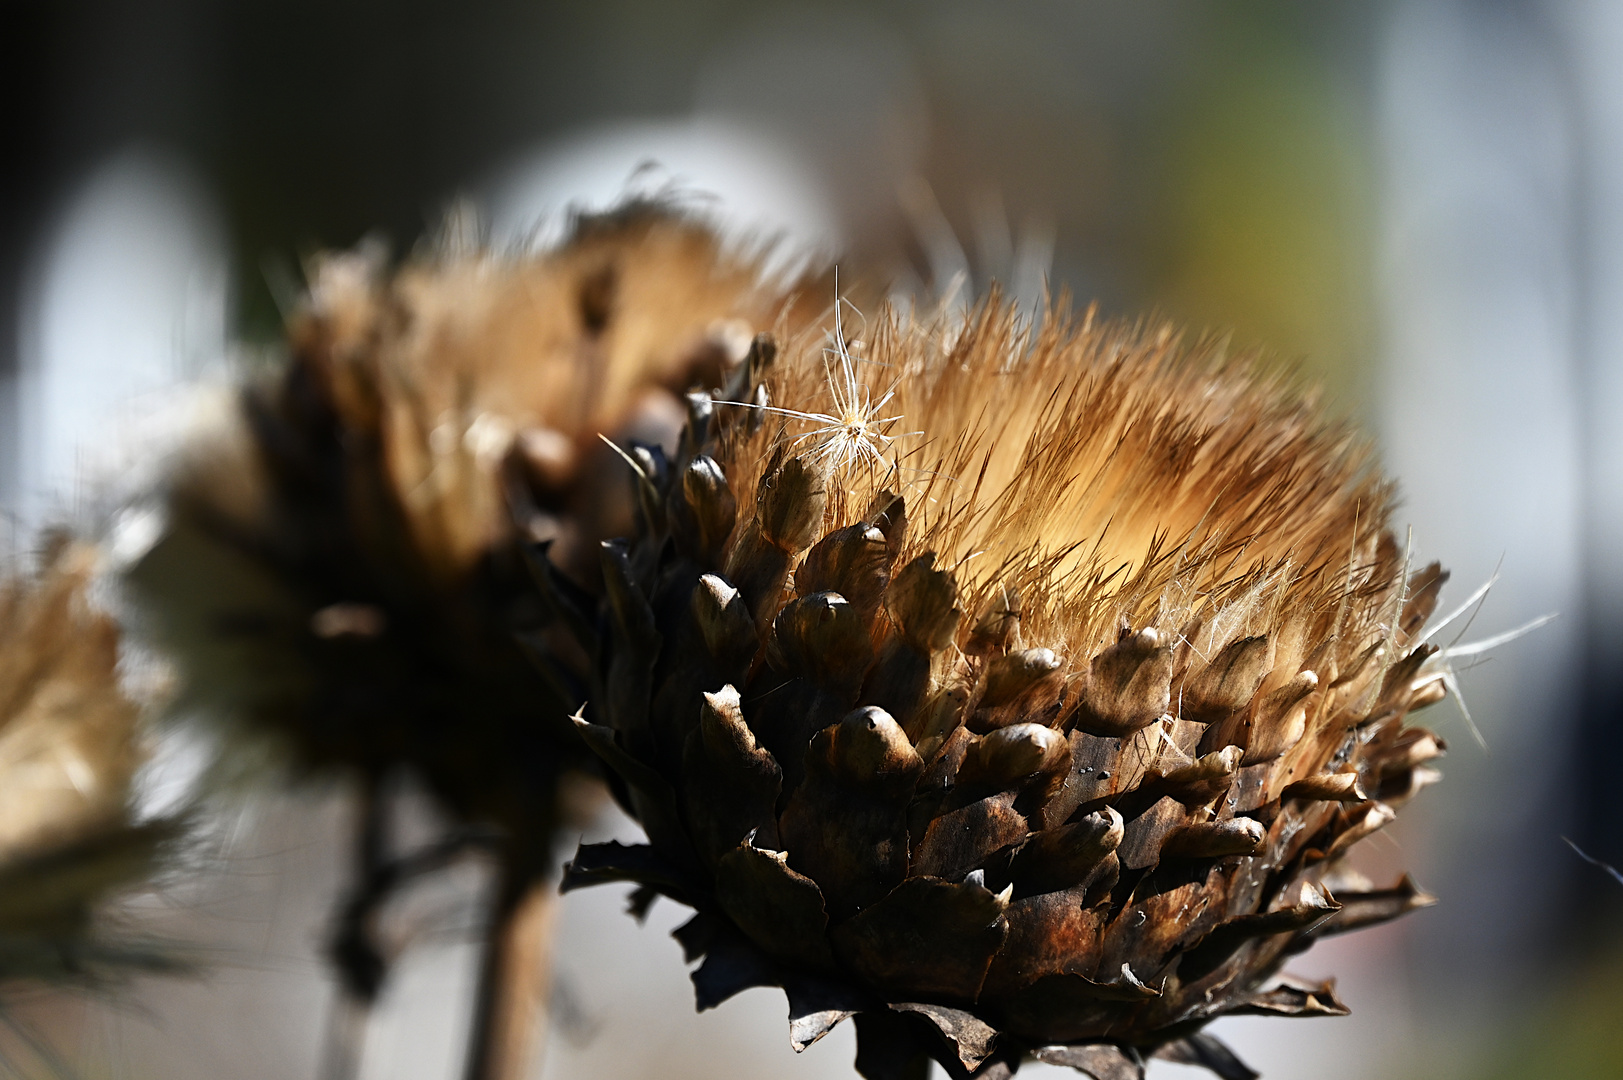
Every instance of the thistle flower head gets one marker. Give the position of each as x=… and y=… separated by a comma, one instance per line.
x=342, y=577
x=1053, y=748
x=341, y=562
x=69, y=748
x=67, y=732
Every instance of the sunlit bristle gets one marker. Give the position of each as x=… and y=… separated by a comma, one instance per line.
x=1109, y=471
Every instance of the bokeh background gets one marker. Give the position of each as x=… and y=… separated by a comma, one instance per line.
x=1420, y=201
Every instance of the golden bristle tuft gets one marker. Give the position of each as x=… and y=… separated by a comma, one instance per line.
x=1107, y=473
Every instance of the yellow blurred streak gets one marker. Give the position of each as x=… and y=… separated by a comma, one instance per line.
x=1266, y=212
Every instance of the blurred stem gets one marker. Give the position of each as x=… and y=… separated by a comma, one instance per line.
x=360, y=961
x=510, y=1015
x=346, y=1036
x=351, y=951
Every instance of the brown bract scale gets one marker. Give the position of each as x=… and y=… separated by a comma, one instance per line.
x=1046, y=735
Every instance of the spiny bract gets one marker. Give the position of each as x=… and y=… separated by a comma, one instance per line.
x=1046, y=732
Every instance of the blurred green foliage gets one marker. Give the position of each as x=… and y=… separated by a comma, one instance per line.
x=1570, y=1031
x=1265, y=205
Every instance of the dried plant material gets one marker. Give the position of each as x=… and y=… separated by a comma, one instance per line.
x=343, y=565
x=344, y=568
x=1087, y=817
x=69, y=748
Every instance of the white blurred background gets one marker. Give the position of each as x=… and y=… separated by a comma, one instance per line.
x=1420, y=199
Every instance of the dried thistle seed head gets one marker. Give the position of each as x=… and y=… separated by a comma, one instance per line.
x=922, y=603
x=69, y=747
x=1100, y=811
x=370, y=606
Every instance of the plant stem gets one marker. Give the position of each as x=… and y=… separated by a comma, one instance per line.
x=510, y=1014
x=360, y=969
x=346, y=1036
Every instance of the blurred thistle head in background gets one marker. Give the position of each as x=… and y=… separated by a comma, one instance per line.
x=71, y=740
x=1044, y=729
x=341, y=575
x=340, y=559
